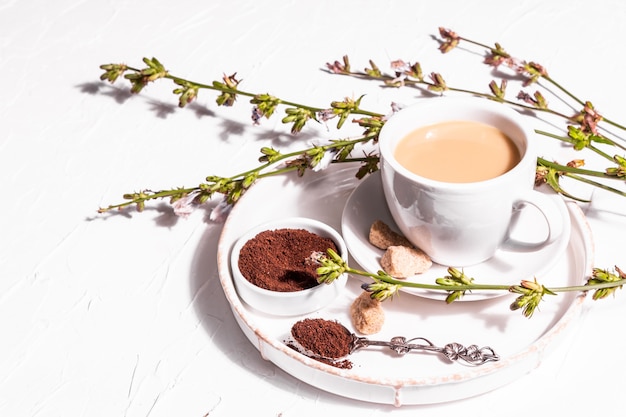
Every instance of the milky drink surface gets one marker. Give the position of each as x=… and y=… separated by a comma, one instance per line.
x=457, y=151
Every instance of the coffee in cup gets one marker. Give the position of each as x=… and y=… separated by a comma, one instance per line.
x=477, y=151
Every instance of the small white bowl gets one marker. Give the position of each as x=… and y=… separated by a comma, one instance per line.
x=291, y=303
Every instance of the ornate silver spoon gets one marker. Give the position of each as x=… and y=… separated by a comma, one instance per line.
x=472, y=354
x=331, y=341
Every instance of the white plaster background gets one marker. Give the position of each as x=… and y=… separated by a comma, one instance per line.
x=123, y=315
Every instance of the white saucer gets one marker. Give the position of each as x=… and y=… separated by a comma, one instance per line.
x=367, y=204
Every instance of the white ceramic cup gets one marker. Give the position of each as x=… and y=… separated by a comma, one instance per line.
x=461, y=224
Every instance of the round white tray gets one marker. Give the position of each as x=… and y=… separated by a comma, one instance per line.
x=381, y=376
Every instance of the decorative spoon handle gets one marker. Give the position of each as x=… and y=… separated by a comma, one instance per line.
x=472, y=354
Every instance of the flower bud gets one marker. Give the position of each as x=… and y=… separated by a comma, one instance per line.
x=532, y=285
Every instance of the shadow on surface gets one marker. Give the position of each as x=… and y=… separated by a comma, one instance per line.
x=163, y=109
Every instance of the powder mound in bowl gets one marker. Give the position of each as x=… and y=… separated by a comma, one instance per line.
x=280, y=260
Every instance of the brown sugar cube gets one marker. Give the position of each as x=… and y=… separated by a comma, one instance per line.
x=382, y=236
x=367, y=314
x=403, y=262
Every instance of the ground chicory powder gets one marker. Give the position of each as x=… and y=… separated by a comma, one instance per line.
x=281, y=259
x=325, y=340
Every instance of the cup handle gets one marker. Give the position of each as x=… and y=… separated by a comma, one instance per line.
x=555, y=216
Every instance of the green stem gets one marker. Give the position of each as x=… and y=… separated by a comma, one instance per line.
x=579, y=101
x=470, y=287
x=568, y=140
x=596, y=184
x=568, y=169
x=615, y=124
x=140, y=198
x=477, y=44
x=563, y=89
x=417, y=83
x=241, y=93
x=237, y=91
x=403, y=283
x=551, y=81
x=148, y=197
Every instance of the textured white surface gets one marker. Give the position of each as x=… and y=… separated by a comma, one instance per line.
x=123, y=315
